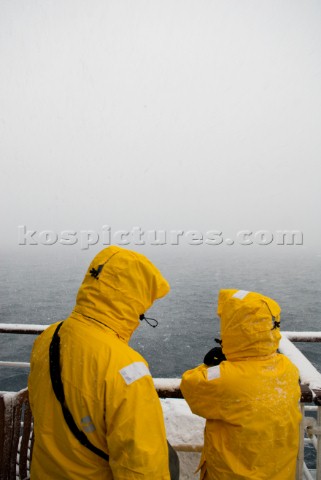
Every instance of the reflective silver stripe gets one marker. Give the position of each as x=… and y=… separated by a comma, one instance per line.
x=88, y=425
x=134, y=371
x=89, y=428
x=86, y=419
x=213, y=372
x=240, y=294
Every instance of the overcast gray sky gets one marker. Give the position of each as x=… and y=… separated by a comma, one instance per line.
x=163, y=114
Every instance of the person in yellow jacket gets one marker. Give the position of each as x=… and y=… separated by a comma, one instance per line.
x=107, y=386
x=251, y=399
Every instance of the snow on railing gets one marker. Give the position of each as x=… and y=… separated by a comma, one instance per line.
x=22, y=328
x=309, y=375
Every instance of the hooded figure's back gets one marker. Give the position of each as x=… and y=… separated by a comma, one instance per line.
x=250, y=400
x=108, y=386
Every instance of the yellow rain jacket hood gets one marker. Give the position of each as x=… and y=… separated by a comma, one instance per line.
x=249, y=324
x=128, y=285
x=108, y=387
x=250, y=401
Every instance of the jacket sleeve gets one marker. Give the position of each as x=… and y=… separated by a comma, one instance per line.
x=135, y=428
x=202, y=390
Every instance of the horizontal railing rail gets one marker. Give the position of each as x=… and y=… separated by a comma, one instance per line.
x=21, y=328
x=36, y=329
x=310, y=377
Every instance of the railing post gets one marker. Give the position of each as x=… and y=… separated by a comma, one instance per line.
x=318, y=477
x=300, y=459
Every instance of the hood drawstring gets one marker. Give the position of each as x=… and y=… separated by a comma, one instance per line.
x=276, y=324
x=147, y=320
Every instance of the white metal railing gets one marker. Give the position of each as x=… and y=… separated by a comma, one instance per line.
x=310, y=429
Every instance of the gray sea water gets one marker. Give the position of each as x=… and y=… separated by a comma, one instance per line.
x=40, y=286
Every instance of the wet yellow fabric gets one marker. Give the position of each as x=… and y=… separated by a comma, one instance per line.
x=119, y=414
x=250, y=401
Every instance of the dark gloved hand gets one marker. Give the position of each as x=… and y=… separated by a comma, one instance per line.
x=214, y=357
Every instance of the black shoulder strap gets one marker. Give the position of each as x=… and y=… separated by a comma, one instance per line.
x=58, y=388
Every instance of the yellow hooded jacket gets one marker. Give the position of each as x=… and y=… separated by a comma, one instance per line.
x=250, y=401
x=107, y=385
